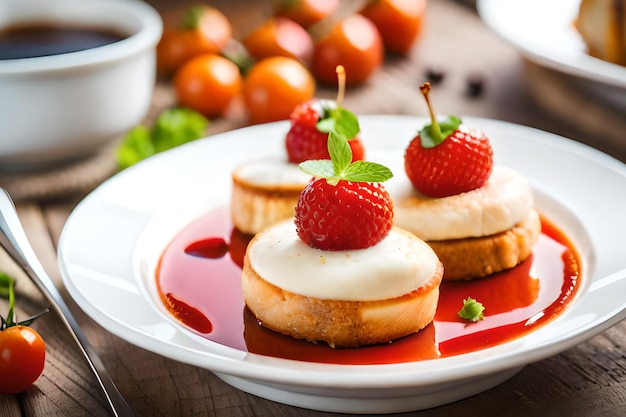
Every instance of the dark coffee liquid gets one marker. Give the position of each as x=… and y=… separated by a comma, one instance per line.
x=38, y=40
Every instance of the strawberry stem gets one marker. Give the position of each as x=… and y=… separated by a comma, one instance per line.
x=435, y=129
x=341, y=84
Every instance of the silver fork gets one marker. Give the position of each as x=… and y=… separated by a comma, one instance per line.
x=13, y=239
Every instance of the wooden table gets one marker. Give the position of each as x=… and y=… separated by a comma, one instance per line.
x=587, y=380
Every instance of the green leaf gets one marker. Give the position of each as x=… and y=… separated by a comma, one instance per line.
x=175, y=127
x=431, y=135
x=172, y=128
x=191, y=18
x=136, y=146
x=339, y=120
x=340, y=152
x=472, y=310
x=5, y=284
x=341, y=167
x=320, y=168
x=363, y=171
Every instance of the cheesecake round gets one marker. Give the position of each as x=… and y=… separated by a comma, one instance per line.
x=346, y=298
x=264, y=192
x=476, y=233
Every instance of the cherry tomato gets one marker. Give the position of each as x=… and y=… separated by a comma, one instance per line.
x=274, y=86
x=22, y=358
x=280, y=36
x=207, y=84
x=354, y=43
x=201, y=30
x=306, y=12
x=398, y=21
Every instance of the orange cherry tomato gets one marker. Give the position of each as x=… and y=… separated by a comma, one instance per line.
x=280, y=36
x=306, y=12
x=398, y=21
x=22, y=358
x=354, y=43
x=274, y=86
x=207, y=84
x=201, y=30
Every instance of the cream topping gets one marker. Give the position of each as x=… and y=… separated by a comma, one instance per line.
x=503, y=202
x=397, y=265
x=272, y=172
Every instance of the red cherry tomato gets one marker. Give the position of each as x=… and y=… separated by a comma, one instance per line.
x=280, y=36
x=201, y=30
x=398, y=21
x=22, y=358
x=306, y=12
x=274, y=86
x=354, y=43
x=207, y=84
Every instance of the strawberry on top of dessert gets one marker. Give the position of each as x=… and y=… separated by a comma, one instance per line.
x=479, y=218
x=266, y=190
x=340, y=272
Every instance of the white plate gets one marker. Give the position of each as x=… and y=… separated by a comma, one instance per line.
x=543, y=31
x=112, y=241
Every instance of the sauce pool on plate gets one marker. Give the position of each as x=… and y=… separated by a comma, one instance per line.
x=199, y=281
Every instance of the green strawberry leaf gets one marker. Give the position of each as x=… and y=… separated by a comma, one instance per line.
x=341, y=167
x=433, y=134
x=339, y=120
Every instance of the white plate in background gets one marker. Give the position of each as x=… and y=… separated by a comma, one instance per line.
x=544, y=32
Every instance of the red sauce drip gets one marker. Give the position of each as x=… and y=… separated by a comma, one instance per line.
x=516, y=301
x=187, y=314
x=212, y=248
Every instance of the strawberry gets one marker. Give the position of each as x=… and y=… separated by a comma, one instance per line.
x=447, y=158
x=345, y=206
x=312, y=121
x=308, y=135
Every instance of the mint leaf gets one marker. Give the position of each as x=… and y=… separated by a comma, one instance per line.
x=432, y=135
x=341, y=167
x=320, y=168
x=175, y=127
x=136, y=145
x=172, y=128
x=363, y=171
x=339, y=120
x=472, y=310
x=340, y=152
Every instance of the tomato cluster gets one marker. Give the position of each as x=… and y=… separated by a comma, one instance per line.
x=277, y=64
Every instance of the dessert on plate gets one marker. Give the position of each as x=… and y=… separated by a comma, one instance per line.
x=478, y=218
x=339, y=272
x=266, y=190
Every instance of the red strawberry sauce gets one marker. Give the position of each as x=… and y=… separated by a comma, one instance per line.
x=200, y=284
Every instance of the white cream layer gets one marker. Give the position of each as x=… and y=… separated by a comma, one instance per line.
x=397, y=265
x=270, y=172
x=503, y=202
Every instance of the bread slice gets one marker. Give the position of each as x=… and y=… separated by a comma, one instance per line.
x=340, y=323
x=477, y=257
x=263, y=193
